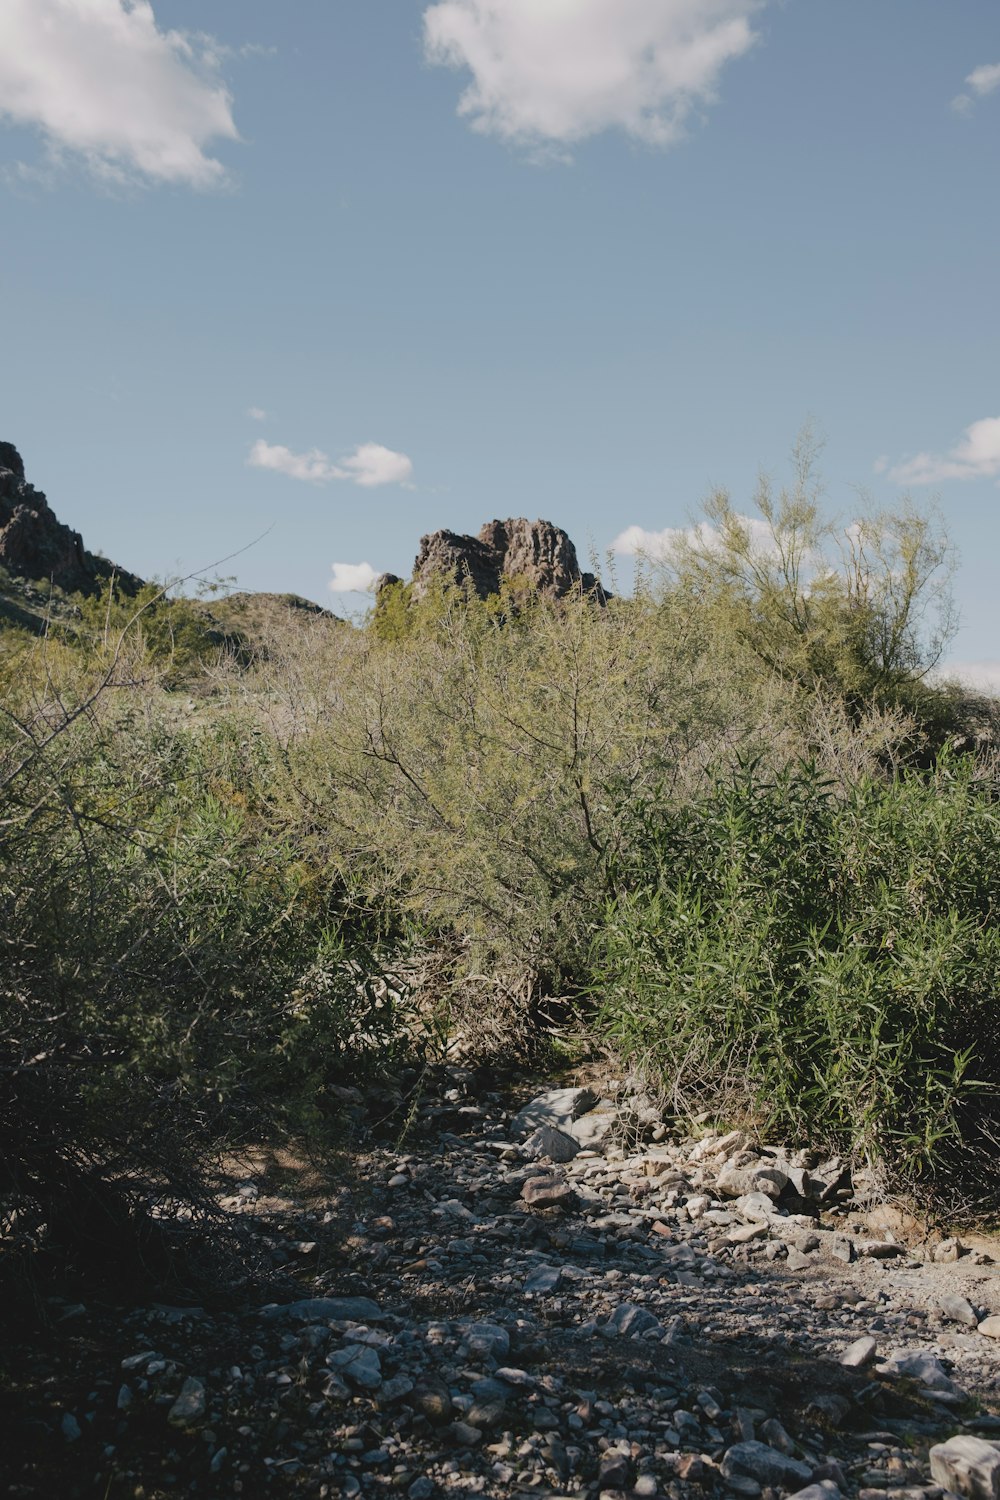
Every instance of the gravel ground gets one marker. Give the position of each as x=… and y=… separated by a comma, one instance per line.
x=519, y=1305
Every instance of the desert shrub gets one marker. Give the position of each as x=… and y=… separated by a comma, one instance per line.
x=824, y=958
x=178, y=971
x=478, y=767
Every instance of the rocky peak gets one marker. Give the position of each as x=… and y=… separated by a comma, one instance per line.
x=35, y=545
x=536, y=553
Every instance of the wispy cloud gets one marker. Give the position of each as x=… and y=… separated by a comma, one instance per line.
x=553, y=74
x=352, y=578
x=981, y=81
x=975, y=456
x=662, y=546
x=106, y=87
x=369, y=466
x=256, y=414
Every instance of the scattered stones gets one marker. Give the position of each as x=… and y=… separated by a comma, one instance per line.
x=653, y=1334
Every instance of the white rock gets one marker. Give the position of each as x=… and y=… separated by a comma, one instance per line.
x=958, y=1309
x=559, y=1107
x=917, y=1364
x=968, y=1466
x=859, y=1354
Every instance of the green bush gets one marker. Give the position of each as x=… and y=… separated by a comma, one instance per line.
x=824, y=960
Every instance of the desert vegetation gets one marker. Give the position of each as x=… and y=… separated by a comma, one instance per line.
x=726, y=827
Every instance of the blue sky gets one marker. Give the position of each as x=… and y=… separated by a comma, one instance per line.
x=346, y=271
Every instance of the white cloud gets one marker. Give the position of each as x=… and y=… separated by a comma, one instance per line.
x=352, y=578
x=661, y=546
x=975, y=456
x=369, y=465
x=313, y=466
x=552, y=72
x=256, y=414
x=104, y=84
x=981, y=81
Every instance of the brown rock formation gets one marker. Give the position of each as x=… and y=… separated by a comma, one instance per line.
x=34, y=544
x=535, y=553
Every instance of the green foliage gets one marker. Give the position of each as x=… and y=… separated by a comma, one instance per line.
x=175, y=635
x=179, y=967
x=861, y=609
x=698, y=804
x=827, y=960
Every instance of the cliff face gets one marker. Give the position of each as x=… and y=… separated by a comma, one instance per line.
x=536, y=553
x=34, y=544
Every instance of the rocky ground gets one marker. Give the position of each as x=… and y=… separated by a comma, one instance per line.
x=555, y=1301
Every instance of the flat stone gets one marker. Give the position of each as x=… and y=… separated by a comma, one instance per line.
x=190, y=1404
x=967, y=1466
x=628, y=1320
x=918, y=1364
x=824, y=1490
x=859, y=1354
x=957, y=1309
x=326, y=1310
x=487, y=1338
x=797, y=1260
x=544, y=1279
x=547, y=1192
x=359, y=1363
x=464, y=1435
x=559, y=1107
x=593, y=1129
x=764, y=1464
x=991, y=1326
x=549, y=1141
x=394, y=1390
x=757, y=1207
x=745, y=1233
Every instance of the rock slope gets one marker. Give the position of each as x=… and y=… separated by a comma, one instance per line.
x=35, y=545
x=550, y=1303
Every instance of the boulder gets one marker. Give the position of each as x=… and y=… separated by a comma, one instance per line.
x=967, y=1466
x=536, y=554
x=557, y=1108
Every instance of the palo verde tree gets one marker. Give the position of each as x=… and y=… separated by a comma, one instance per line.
x=861, y=608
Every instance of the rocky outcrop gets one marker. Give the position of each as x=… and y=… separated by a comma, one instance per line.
x=536, y=554
x=35, y=544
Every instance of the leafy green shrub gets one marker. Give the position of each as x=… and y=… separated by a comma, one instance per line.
x=825, y=959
